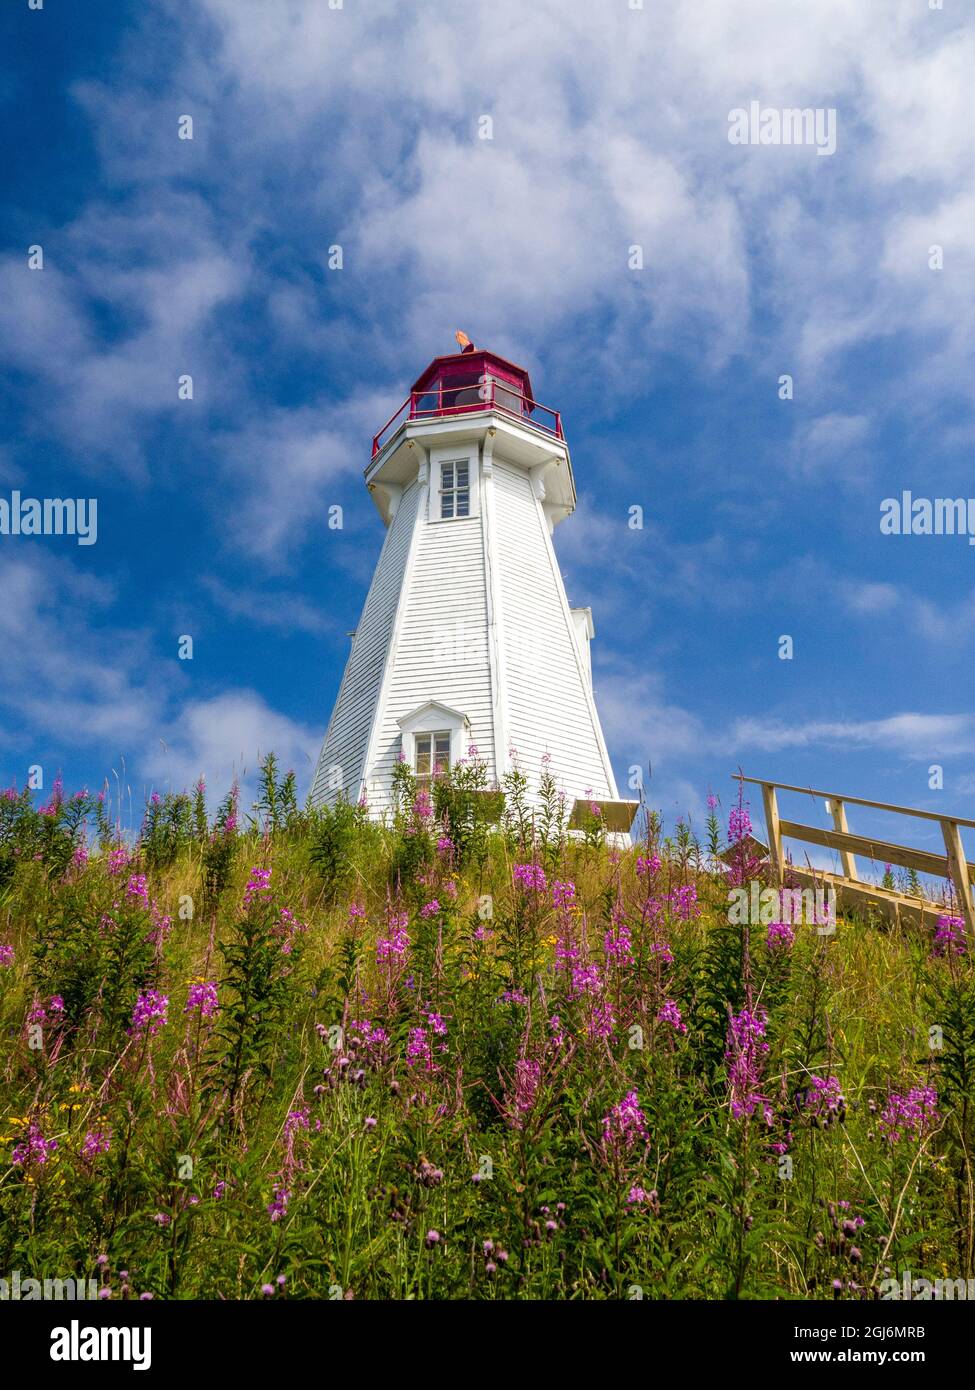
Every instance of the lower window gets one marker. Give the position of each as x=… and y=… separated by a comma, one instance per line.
x=432, y=756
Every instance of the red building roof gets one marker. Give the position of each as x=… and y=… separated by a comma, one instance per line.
x=461, y=368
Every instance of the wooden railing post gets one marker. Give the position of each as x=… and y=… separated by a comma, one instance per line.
x=776, y=860
x=959, y=873
x=953, y=864
x=838, y=811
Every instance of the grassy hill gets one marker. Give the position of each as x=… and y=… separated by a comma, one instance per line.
x=308, y=1056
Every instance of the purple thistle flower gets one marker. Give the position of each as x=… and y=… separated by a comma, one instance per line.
x=683, y=902
x=150, y=1013
x=96, y=1142
x=563, y=894
x=396, y=944
x=949, y=937
x=670, y=1013
x=625, y=1123
x=780, y=937
x=531, y=877
x=258, y=887
x=278, y=1205
x=204, y=998
x=746, y=1047
x=913, y=1115
x=648, y=867
x=739, y=824
x=35, y=1150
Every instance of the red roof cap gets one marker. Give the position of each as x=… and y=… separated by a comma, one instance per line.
x=471, y=366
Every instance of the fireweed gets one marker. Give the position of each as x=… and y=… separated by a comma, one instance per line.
x=456, y=1056
x=949, y=937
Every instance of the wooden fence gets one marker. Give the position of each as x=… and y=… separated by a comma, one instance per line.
x=952, y=864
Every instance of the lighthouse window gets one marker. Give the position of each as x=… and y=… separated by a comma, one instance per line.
x=455, y=489
x=432, y=755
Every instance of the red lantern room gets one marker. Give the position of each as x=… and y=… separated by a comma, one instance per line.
x=472, y=380
x=469, y=380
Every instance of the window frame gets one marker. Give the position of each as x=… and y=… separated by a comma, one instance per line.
x=439, y=759
x=440, y=460
x=456, y=491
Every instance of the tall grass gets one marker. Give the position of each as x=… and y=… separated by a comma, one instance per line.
x=462, y=1055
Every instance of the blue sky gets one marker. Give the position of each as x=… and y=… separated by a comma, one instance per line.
x=360, y=127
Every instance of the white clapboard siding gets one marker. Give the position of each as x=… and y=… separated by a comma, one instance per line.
x=348, y=732
x=440, y=650
x=549, y=709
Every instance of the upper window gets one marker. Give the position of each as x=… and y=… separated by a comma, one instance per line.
x=455, y=489
x=432, y=755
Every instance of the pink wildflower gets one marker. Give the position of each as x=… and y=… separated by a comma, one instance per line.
x=258, y=887
x=670, y=1013
x=150, y=1013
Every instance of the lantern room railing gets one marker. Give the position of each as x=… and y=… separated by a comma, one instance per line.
x=489, y=393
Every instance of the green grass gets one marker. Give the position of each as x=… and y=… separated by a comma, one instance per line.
x=480, y=1166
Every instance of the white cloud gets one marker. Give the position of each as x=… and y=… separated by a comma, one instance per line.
x=610, y=129
x=914, y=735
x=287, y=467
x=936, y=623
x=832, y=445
x=67, y=678
x=266, y=608
x=640, y=725
x=163, y=274
x=225, y=738
x=869, y=599
x=78, y=685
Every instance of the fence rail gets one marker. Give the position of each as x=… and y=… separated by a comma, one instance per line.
x=951, y=865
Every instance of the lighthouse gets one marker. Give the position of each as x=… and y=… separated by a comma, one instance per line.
x=467, y=639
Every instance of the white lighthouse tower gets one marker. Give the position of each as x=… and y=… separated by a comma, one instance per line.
x=467, y=637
